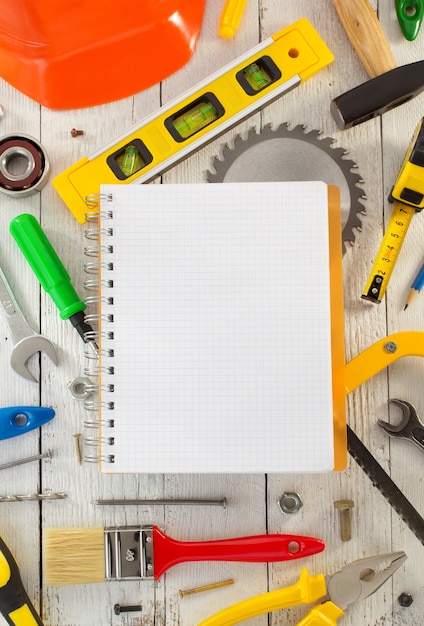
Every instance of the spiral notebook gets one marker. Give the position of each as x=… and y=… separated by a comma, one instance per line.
x=220, y=328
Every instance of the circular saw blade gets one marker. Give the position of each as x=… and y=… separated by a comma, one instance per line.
x=284, y=154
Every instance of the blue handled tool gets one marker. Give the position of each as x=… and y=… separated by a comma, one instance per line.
x=17, y=420
x=410, y=15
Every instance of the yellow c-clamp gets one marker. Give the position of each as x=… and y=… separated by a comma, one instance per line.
x=382, y=354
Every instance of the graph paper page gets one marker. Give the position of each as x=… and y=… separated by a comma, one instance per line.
x=221, y=328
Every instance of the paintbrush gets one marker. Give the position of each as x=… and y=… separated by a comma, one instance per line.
x=86, y=555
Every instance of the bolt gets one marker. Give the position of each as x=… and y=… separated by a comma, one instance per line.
x=390, y=347
x=118, y=609
x=76, y=133
x=405, y=599
x=344, y=507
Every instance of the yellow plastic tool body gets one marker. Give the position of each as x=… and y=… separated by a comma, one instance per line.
x=15, y=605
x=23, y=616
x=388, y=252
x=408, y=195
x=382, y=354
x=178, y=129
x=409, y=185
x=306, y=590
x=230, y=17
x=325, y=613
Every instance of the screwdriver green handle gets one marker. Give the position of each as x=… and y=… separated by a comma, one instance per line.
x=46, y=264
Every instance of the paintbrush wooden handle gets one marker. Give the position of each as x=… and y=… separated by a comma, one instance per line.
x=366, y=35
x=257, y=548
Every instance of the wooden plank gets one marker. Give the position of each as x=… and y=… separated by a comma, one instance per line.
x=377, y=147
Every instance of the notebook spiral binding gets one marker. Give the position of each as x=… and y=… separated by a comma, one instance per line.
x=102, y=362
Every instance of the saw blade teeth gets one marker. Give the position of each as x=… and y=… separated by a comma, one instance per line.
x=247, y=146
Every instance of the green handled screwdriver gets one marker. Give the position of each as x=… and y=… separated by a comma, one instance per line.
x=51, y=273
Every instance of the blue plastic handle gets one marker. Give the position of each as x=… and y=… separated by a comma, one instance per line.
x=17, y=420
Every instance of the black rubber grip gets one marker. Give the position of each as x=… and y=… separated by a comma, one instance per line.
x=378, y=95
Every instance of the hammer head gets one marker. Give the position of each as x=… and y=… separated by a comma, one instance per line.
x=25, y=348
x=378, y=95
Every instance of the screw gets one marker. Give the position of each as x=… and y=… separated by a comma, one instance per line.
x=77, y=439
x=390, y=347
x=76, y=133
x=405, y=599
x=29, y=459
x=344, y=507
x=223, y=583
x=118, y=609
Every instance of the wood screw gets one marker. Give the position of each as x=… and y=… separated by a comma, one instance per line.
x=77, y=439
x=345, y=507
x=222, y=583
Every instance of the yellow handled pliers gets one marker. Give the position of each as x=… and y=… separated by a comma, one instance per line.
x=353, y=582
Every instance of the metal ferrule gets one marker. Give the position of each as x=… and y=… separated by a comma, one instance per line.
x=129, y=553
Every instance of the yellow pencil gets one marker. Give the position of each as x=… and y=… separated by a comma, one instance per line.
x=230, y=18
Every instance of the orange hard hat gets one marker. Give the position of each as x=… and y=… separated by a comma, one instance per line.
x=79, y=53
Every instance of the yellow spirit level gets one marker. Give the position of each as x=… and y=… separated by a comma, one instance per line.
x=215, y=105
x=408, y=196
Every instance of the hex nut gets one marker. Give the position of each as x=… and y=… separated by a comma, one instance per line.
x=405, y=599
x=290, y=502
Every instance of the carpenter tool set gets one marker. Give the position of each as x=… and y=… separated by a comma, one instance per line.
x=267, y=153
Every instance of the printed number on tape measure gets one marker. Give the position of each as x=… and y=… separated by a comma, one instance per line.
x=388, y=253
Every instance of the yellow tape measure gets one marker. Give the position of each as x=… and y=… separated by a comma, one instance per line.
x=388, y=252
x=408, y=195
x=249, y=83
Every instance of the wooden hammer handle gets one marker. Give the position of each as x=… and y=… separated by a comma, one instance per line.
x=366, y=35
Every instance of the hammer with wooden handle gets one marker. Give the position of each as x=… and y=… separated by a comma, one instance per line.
x=390, y=85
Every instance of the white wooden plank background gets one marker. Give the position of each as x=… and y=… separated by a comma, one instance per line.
x=378, y=148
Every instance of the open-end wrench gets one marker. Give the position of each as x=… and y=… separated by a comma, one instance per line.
x=25, y=340
x=410, y=427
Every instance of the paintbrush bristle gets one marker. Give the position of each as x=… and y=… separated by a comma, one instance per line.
x=74, y=556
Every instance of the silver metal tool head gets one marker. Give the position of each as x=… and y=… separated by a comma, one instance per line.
x=25, y=340
x=294, y=154
x=410, y=426
x=408, y=413
x=128, y=552
x=26, y=348
x=360, y=579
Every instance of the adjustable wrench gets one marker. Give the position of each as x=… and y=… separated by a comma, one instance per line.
x=26, y=341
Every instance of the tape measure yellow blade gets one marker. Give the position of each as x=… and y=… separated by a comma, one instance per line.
x=241, y=88
x=388, y=252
